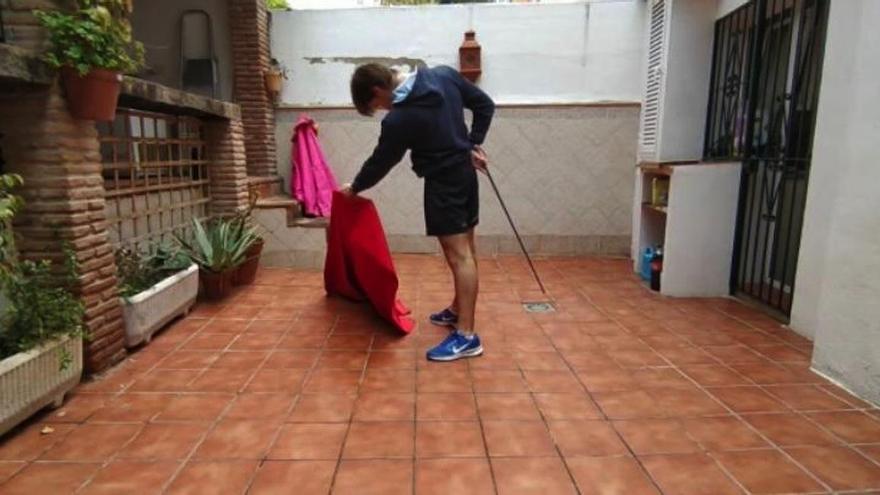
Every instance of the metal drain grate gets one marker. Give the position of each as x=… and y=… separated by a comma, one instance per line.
x=538, y=307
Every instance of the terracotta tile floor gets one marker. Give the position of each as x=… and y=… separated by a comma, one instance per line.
x=282, y=390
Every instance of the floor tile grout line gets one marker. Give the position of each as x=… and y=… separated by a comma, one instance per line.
x=142, y=424
x=775, y=446
x=546, y=424
x=290, y=408
x=191, y=457
x=604, y=418
x=339, y=459
x=479, y=415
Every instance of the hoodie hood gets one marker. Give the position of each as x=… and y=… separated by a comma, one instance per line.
x=425, y=91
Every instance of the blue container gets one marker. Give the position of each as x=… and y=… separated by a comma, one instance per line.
x=645, y=268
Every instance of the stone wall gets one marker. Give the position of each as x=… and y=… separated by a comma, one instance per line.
x=64, y=193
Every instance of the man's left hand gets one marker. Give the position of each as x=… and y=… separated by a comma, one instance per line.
x=480, y=159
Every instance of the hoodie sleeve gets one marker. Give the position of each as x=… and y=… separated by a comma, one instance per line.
x=388, y=153
x=478, y=102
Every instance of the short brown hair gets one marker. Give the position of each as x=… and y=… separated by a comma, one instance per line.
x=365, y=78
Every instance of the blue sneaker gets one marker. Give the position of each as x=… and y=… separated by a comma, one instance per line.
x=456, y=346
x=445, y=318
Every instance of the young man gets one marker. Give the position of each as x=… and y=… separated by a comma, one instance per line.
x=426, y=116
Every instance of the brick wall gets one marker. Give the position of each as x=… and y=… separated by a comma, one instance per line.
x=228, y=166
x=20, y=24
x=250, y=55
x=64, y=193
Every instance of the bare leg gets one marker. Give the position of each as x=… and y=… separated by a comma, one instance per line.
x=454, y=305
x=460, y=256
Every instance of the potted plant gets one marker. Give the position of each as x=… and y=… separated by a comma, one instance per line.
x=155, y=288
x=246, y=272
x=218, y=248
x=93, y=47
x=40, y=327
x=275, y=77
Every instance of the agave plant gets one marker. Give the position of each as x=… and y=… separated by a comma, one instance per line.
x=220, y=245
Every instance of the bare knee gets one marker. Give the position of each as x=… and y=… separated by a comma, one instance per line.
x=459, y=254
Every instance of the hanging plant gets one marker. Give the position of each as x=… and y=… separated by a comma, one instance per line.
x=93, y=47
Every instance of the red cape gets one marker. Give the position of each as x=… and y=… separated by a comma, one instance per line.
x=358, y=264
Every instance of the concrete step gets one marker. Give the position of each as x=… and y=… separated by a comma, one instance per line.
x=277, y=202
x=292, y=240
x=295, y=218
x=310, y=223
x=293, y=211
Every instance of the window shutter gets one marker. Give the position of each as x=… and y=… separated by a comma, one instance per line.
x=651, y=106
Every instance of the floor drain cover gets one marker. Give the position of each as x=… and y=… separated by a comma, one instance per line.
x=538, y=307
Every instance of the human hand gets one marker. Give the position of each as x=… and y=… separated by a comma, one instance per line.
x=347, y=191
x=480, y=159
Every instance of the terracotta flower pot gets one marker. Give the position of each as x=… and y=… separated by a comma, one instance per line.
x=92, y=96
x=216, y=285
x=274, y=81
x=246, y=272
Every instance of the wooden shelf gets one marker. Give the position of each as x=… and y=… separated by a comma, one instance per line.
x=655, y=169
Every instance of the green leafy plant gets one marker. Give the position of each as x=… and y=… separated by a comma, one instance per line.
x=39, y=304
x=95, y=36
x=220, y=245
x=277, y=4
x=138, y=272
x=10, y=204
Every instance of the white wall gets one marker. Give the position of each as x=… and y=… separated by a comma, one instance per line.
x=687, y=78
x=727, y=6
x=156, y=23
x=580, y=52
x=700, y=225
x=838, y=278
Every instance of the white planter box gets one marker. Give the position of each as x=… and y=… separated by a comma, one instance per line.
x=29, y=381
x=150, y=310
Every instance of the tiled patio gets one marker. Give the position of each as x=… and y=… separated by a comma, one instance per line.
x=281, y=390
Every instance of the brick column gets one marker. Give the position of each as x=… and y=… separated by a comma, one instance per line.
x=250, y=60
x=228, y=166
x=64, y=192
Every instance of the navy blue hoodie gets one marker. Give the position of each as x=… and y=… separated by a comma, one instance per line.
x=430, y=123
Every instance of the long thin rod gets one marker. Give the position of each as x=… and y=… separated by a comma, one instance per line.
x=516, y=232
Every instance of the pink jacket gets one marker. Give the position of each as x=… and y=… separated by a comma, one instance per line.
x=311, y=180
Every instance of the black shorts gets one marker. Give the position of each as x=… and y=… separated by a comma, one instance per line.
x=452, y=200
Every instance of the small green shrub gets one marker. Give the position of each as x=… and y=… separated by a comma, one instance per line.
x=277, y=4
x=138, y=272
x=38, y=305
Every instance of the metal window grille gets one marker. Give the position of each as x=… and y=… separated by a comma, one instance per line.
x=155, y=172
x=728, y=94
x=784, y=78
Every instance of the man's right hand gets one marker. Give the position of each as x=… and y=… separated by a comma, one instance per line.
x=347, y=190
x=480, y=159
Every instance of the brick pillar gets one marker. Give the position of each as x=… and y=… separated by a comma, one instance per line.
x=64, y=193
x=250, y=60
x=228, y=166
x=22, y=28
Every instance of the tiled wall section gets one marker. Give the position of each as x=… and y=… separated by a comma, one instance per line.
x=286, y=246
x=565, y=173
